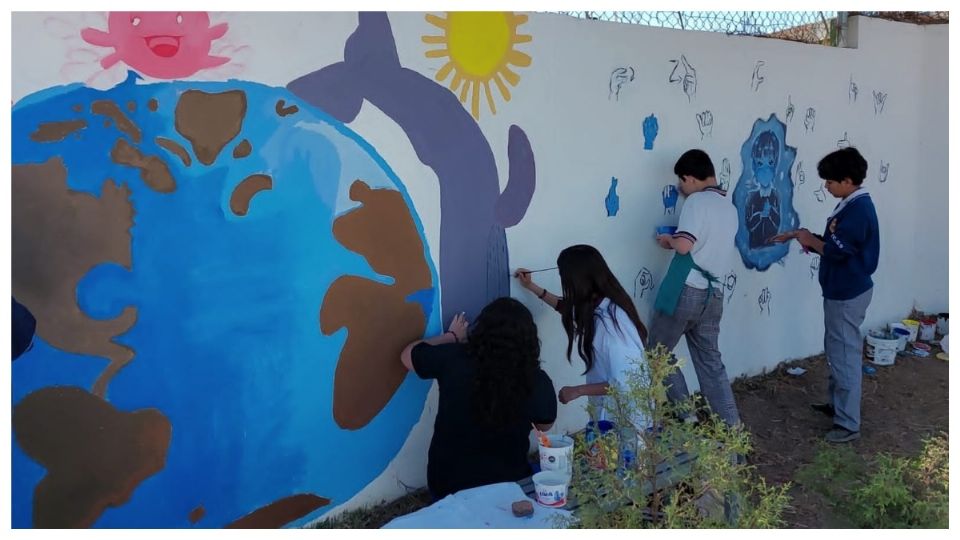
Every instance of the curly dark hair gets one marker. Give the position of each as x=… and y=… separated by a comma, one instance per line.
x=504, y=345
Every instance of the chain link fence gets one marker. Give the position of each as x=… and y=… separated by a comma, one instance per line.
x=915, y=17
x=820, y=27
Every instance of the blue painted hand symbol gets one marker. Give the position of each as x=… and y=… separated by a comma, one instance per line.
x=612, y=200
x=670, y=196
x=650, y=129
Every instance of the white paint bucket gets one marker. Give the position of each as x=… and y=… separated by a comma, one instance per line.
x=943, y=324
x=558, y=456
x=551, y=488
x=881, y=351
x=913, y=326
x=927, y=330
x=902, y=332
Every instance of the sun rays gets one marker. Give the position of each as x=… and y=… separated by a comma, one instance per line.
x=480, y=47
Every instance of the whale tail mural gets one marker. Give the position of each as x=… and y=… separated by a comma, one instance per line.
x=446, y=138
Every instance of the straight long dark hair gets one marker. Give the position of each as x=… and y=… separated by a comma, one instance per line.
x=586, y=280
x=506, y=350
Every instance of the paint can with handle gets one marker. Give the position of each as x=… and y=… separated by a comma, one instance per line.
x=943, y=322
x=558, y=456
x=882, y=348
x=913, y=326
x=903, y=334
x=551, y=488
x=928, y=329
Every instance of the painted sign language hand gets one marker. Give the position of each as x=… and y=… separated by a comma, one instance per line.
x=705, y=123
x=757, y=79
x=670, y=196
x=650, y=129
x=810, y=120
x=764, y=300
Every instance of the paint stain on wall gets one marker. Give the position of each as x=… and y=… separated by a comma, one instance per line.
x=210, y=120
x=279, y=513
x=380, y=320
x=58, y=236
x=94, y=454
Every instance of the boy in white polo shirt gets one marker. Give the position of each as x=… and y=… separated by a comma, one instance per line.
x=690, y=300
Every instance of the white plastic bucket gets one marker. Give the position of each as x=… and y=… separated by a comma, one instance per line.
x=902, y=332
x=943, y=324
x=881, y=351
x=902, y=335
x=551, y=488
x=913, y=326
x=927, y=331
x=558, y=456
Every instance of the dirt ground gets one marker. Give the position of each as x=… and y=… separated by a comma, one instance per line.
x=902, y=404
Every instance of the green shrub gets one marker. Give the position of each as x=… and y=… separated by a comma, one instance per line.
x=713, y=490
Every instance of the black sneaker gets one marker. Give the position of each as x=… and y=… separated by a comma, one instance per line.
x=824, y=408
x=841, y=435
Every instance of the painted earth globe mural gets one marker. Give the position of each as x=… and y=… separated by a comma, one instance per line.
x=222, y=276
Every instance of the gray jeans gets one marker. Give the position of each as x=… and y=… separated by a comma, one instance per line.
x=698, y=318
x=843, y=345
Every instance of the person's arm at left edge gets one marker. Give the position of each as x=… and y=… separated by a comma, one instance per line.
x=456, y=334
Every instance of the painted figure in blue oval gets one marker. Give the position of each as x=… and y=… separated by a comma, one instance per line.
x=764, y=193
x=763, y=205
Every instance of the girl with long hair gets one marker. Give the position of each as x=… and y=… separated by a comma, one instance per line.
x=492, y=391
x=599, y=317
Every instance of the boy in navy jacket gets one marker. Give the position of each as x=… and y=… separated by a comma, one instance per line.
x=849, y=249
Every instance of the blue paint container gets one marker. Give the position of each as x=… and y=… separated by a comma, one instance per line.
x=666, y=229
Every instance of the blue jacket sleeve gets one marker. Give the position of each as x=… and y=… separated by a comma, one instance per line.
x=848, y=237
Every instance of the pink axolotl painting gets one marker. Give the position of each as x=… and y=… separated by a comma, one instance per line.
x=159, y=44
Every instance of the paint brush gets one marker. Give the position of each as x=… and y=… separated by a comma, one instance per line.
x=544, y=440
x=535, y=271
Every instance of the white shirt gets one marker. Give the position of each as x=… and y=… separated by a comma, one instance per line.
x=615, y=354
x=709, y=220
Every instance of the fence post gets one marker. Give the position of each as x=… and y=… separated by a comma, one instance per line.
x=840, y=31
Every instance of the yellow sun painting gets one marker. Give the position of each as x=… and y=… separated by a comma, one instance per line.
x=479, y=47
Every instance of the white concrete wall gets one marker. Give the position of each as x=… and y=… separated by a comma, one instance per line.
x=581, y=139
